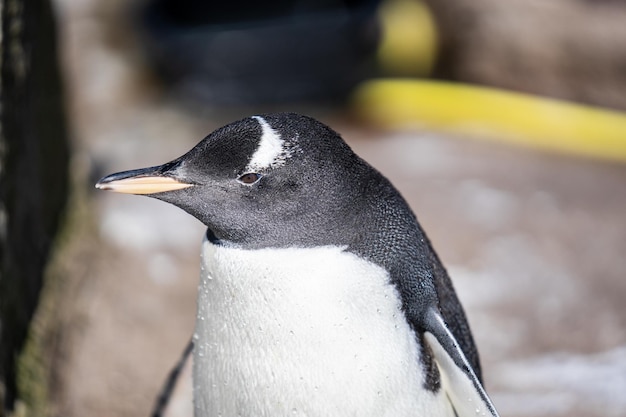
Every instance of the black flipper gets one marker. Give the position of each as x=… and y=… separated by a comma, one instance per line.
x=174, y=383
x=458, y=378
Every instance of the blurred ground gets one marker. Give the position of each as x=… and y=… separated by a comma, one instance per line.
x=535, y=244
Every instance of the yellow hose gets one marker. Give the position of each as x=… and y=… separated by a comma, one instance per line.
x=494, y=114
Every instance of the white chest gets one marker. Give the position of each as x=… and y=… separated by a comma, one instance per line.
x=303, y=332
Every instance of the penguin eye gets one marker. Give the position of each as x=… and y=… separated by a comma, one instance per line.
x=249, y=178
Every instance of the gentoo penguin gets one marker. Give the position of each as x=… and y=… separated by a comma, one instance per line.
x=320, y=295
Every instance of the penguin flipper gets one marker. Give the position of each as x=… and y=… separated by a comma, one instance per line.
x=177, y=388
x=462, y=386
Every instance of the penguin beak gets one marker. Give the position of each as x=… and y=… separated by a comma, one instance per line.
x=141, y=181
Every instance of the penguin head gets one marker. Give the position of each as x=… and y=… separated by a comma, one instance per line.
x=271, y=180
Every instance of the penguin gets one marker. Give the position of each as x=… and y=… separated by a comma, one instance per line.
x=320, y=294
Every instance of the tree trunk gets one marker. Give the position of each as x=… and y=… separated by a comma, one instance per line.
x=33, y=173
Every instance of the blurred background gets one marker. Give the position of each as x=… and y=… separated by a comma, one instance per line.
x=501, y=122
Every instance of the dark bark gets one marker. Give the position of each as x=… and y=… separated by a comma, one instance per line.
x=33, y=171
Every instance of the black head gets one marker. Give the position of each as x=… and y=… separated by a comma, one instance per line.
x=272, y=180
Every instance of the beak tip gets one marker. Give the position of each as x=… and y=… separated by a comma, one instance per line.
x=103, y=184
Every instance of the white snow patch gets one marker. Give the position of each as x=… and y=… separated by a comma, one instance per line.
x=487, y=206
x=562, y=384
x=162, y=268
